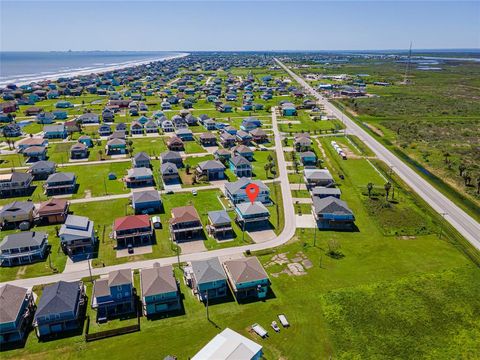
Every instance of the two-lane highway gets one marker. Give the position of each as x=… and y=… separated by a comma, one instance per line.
x=464, y=223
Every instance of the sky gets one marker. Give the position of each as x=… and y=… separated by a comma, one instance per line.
x=237, y=25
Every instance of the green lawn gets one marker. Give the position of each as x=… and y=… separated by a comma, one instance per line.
x=192, y=147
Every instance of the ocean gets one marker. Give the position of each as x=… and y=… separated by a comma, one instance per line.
x=25, y=67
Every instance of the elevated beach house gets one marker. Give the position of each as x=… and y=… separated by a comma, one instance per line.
x=247, y=278
x=208, y=279
x=185, y=223
x=77, y=235
x=24, y=247
x=135, y=230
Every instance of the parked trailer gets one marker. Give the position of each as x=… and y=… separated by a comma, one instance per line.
x=259, y=330
x=283, y=320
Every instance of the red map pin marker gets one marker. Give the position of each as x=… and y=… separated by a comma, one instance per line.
x=252, y=191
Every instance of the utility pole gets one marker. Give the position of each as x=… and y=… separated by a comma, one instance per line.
x=178, y=255
x=89, y=268
x=206, y=298
x=315, y=235
x=105, y=186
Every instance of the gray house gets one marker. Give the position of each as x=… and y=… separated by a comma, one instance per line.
x=42, y=169
x=16, y=212
x=172, y=157
x=317, y=177
x=77, y=235
x=78, y=151
x=60, y=183
x=23, y=248
x=15, y=184
x=211, y=170
x=16, y=313
x=332, y=213
x=141, y=160
x=169, y=172
x=60, y=309
x=323, y=192
x=208, y=279
x=219, y=224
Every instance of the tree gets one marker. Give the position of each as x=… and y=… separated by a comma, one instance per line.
x=270, y=158
x=467, y=178
x=387, y=187
x=319, y=163
x=187, y=168
x=461, y=168
x=267, y=168
x=100, y=153
x=478, y=184
x=446, y=155
x=369, y=189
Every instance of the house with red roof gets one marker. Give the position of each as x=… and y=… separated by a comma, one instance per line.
x=135, y=230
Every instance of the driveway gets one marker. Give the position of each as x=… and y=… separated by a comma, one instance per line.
x=136, y=251
x=190, y=247
x=261, y=236
x=306, y=221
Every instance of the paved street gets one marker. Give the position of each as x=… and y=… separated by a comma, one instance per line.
x=464, y=223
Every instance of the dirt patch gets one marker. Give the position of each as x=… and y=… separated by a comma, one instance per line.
x=21, y=271
x=405, y=237
x=374, y=129
x=295, y=267
x=88, y=194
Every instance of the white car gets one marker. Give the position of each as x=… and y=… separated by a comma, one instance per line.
x=194, y=192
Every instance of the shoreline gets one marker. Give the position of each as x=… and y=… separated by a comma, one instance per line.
x=99, y=70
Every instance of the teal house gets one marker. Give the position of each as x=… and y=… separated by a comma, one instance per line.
x=247, y=278
x=160, y=292
x=63, y=105
x=208, y=279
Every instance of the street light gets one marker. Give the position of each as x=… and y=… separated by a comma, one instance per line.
x=206, y=300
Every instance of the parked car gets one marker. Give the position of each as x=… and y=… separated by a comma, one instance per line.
x=130, y=248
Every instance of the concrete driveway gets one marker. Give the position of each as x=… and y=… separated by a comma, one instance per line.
x=260, y=236
x=136, y=251
x=190, y=247
x=306, y=221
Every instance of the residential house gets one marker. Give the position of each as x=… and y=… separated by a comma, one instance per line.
x=113, y=296
x=230, y=345
x=249, y=124
x=240, y=166
x=86, y=140
x=219, y=224
x=222, y=155
x=135, y=230
x=248, y=213
x=209, y=124
x=208, y=139
x=35, y=153
x=169, y=172
x=146, y=201
x=77, y=235
x=104, y=130
x=24, y=247
x=184, y=134
x=138, y=177
x=225, y=108
x=116, y=146
x=332, y=213
x=288, y=109
x=16, y=212
x=151, y=127
x=136, y=128
x=210, y=170
x=167, y=126
x=185, y=223
x=244, y=151
x=60, y=183
x=108, y=115
x=141, y=159
x=243, y=137
x=16, y=314
x=227, y=140
x=247, y=278
x=173, y=157
x=60, y=309
x=237, y=194
x=208, y=279
x=302, y=142
x=323, y=192
x=160, y=291
x=15, y=184
x=118, y=134
x=174, y=143
x=259, y=135
x=12, y=130
x=55, y=131
x=88, y=118
x=31, y=141
x=53, y=211
x=79, y=151
x=42, y=169
x=45, y=118
x=317, y=177
x=308, y=158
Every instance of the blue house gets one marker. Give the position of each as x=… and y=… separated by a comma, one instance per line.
x=288, y=109
x=60, y=114
x=86, y=140
x=160, y=291
x=243, y=137
x=244, y=151
x=146, y=201
x=208, y=279
x=250, y=124
x=184, y=134
x=45, y=118
x=18, y=307
x=113, y=296
x=63, y=105
x=247, y=278
x=225, y=108
x=104, y=130
x=55, y=131
x=308, y=158
x=240, y=166
x=332, y=213
x=60, y=308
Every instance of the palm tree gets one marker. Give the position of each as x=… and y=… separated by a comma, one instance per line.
x=187, y=169
x=387, y=187
x=270, y=157
x=100, y=153
x=461, y=168
x=369, y=188
x=446, y=155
